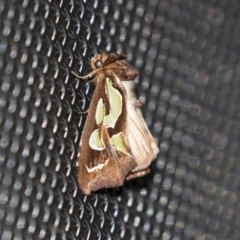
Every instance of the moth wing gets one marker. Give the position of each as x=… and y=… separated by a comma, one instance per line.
x=104, y=166
x=143, y=147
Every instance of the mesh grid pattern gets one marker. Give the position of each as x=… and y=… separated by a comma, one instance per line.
x=187, y=54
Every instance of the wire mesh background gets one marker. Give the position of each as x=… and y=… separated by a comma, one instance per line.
x=187, y=54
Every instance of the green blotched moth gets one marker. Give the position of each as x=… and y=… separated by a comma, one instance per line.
x=116, y=144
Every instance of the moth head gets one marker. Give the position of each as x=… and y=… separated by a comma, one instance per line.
x=113, y=62
x=97, y=62
x=102, y=60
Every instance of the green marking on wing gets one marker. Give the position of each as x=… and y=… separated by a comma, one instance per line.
x=115, y=102
x=115, y=109
x=100, y=112
x=118, y=142
x=95, y=141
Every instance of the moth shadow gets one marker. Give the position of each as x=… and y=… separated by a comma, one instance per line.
x=135, y=186
x=138, y=184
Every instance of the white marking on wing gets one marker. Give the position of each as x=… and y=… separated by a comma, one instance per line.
x=98, y=167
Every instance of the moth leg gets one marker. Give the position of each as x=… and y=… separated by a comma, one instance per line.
x=106, y=140
x=84, y=112
x=139, y=103
x=137, y=174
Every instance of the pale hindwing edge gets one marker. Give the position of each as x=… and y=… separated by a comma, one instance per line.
x=142, y=144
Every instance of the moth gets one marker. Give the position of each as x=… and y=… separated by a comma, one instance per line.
x=116, y=144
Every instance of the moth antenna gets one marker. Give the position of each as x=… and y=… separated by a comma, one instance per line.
x=86, y=76
x=81, y=77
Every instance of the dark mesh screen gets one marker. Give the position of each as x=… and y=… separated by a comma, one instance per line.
x=187, y=54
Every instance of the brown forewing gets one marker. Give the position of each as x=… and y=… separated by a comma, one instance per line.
x=116, y=168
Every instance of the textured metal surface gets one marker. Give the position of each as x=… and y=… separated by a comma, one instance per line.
x=187, y=54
